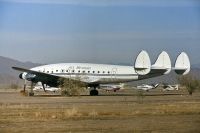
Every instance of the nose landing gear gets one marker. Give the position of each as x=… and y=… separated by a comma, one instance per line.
x=31, y=93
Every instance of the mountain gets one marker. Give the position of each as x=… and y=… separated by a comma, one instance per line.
x=7, y=63
x=196, y=66
x=7, y=74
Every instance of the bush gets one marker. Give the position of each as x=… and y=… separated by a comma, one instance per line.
x=190, y=82
x=14, y=86
x=71, y=86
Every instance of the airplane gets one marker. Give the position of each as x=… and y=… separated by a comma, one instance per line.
x=146, y=87
x=167, y=87
x=93, y=75
x=112, y=87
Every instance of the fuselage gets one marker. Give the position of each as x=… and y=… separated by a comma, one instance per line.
x=97, y=73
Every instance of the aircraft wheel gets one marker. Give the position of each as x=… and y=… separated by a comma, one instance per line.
x=94, y=93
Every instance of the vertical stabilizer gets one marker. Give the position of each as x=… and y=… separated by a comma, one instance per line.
x=163, y=62
x=142, y=63
x=182, y=64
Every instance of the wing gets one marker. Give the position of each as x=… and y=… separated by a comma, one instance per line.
x=45, y=78
x=51, y=79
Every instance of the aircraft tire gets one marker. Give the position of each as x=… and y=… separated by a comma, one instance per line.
x=94, y=93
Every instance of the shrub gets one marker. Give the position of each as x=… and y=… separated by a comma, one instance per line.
x=190, y=82
x=14, y=86
x=71, y=86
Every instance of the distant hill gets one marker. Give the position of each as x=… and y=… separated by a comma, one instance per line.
x=7, y=74
x=196, y=66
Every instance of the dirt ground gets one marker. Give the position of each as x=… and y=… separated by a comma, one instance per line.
x=123, y=111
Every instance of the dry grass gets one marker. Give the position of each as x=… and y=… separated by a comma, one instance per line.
x=173, y=113
x=73, y=112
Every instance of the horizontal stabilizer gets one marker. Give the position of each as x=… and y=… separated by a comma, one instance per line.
x=163, y=62
x=142, y=63
x=182, y=64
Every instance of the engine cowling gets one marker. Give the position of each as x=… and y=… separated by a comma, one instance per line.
x=27, y=76
x=22, y=75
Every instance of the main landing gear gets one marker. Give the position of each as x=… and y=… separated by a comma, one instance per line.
x=31, y=93
x=94, y=91
x=24, y=92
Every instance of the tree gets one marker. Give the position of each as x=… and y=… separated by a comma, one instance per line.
x=190, y=82
x=71, y=86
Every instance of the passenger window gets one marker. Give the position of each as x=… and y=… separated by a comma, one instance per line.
x=56, y=70
x=62, y=71
x=108, y=72
x=47, y=71
x=98, y=71
x=83, y=71
x=93, y=71
x=73, y=71
x=88, y=71
x=103, y=71
x=51, y=71
x=79, y=71
x=67, y=71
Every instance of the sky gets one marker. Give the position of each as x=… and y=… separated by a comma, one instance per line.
x=98, y=31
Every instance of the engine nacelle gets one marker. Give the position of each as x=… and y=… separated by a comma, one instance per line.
x=23, y=75
x=27, y=76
